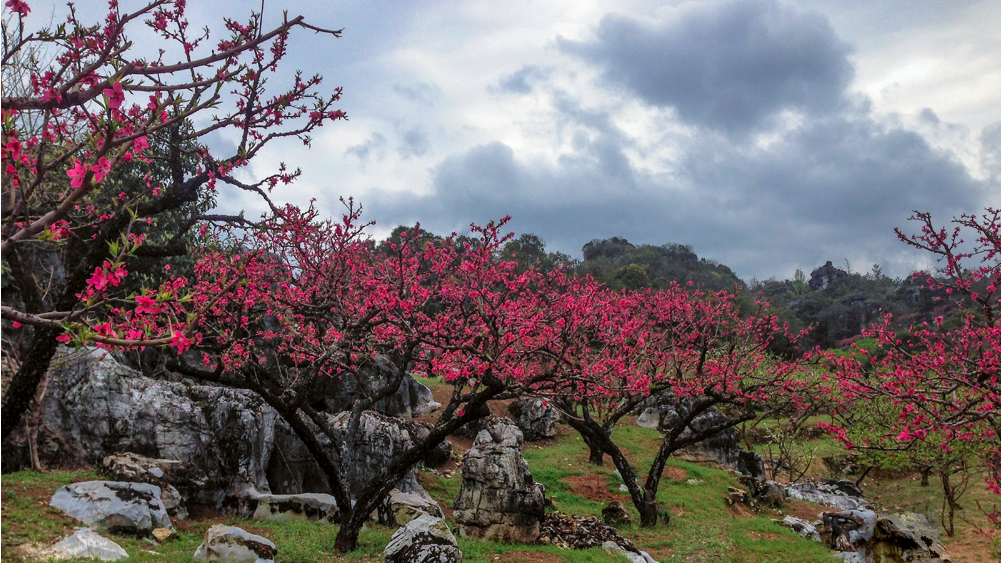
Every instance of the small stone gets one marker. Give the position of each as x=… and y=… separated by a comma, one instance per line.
x=614, y=514
x=161, y=534
x=694, y=481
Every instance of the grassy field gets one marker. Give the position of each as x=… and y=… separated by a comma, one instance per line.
x=702, y=527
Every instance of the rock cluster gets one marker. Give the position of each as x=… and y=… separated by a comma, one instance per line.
x=498, y=499
x=579, y=532
x=664, y=413
x=535, y=418
x=233, y=446
x=118, y=507
x=168, y=474
x=832, y=494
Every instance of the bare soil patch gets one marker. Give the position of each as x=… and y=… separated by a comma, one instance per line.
x=526, y=557
x=593, y=486
x=674, y=473
x=807, y=511
x=969, y=546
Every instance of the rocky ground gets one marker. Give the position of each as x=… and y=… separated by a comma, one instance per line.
x=554, y=493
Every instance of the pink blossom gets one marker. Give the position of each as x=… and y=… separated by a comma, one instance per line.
x=115, y=95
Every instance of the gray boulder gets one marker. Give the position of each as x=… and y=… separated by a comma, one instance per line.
x=898, y=538
x=649, y=418
x=405, y=507
x=636, y=556
x=412, y=398
x=229, y=544
x=164, y=473
x=850, y=529
x=85, y=543
x=750, y=464
x=535, y=418
x=426, y=539
x=313, y=507
x=498, y=498
x=801, y=527
x=119, y=507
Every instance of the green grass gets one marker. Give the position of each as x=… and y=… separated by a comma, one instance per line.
x=702, y=527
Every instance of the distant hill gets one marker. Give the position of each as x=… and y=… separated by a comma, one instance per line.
x=620, y=264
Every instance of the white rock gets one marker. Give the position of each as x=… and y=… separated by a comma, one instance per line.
x=407, y=506
x=425, y=539
x=130, y=508
x=85, y=543
x=640, y=557
x=230, y=544
x=314, y=507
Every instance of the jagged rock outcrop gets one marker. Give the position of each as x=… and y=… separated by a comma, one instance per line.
x=499, y=499
x=899, y=538
x=535, y=418
x=230, y=544
x=824, y=276
x=120, y=508
x=425, y=539
x=750, y=464
x=412, y=399
x=233, y=446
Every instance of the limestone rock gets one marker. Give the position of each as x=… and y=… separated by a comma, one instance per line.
x=85, y=543
x=407, y=506
x=801, y=527
x=649, y=418
x=636, y=556
x=426, y=539
x=161, y=534
x=313, y=507
x=229, y=544
x=826, y=495
x=899, y=538
x=750, y=464
x=119, y=507
x=535, y=418
x=850, y=529
x=412, y=398
x=419, y=430
x=161, y=472
x=498, y=499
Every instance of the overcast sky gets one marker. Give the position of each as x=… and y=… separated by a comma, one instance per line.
x=769, y=135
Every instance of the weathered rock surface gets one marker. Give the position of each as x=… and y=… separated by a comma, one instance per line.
x=161, y=472
x=850, y=529
x=419, y=430
x=498, y=499
x=426, y=539
x=750, y=464
x=119, y=507
x=826, y=495
x=229, y=544
x=801, y=527
x=405, y=507
x=899, y=538
x=412, y=399
x=313, y=507
x=535, y=418
x=230, y=445
x=664, y=413
x=85, y=543
x=649, y=418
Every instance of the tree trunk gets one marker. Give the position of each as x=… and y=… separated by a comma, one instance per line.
x=24, y=384
x=649, y=514
x=925, y=476
x=595, y=451
x=948, y=503
x=347, y=539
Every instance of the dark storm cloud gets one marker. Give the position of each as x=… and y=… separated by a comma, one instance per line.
x=729, y=66
x=521, y=81
x=829, y=191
